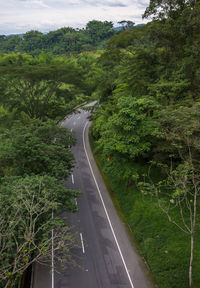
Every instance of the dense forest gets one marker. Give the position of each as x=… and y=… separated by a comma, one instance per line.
x=62, y=41
x=145, y=136
x=37, y=92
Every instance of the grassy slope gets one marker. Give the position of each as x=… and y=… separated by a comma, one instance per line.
x=165, y=248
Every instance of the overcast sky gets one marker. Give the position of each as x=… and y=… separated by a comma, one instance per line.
x=19, y=16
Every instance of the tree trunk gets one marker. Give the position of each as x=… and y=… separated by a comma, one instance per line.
x=191, y=259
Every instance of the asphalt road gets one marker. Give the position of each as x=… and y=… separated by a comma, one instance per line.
x=106, y=257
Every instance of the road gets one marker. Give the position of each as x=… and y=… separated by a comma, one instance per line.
x=106, y=257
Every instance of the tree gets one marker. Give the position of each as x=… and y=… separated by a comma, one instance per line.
x=26, y=224
x=127, y=24
x=2, y=37
x=35, y=88
x=151, y=112
x=99, y=30
x=59, y=42
x=179, y=191
x=10, y=44
x=32, y=42
x=124, y=132
x=129, y=130
x=161, y=9
x=36, y=147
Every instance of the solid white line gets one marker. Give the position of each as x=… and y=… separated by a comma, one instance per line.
x=72, y=179
x=82, y=242
x=52, y=256
x=111, y=227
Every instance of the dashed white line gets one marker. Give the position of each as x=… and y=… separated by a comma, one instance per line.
x=72, y=179
x=83, y=248
x=111, y=227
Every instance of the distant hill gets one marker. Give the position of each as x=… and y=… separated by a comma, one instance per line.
x=118, y=28
x=20, y=35
x=115, y=28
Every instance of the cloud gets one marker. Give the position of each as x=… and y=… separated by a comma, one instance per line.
x=19, y=16
x=33, y=4
x=108, y=3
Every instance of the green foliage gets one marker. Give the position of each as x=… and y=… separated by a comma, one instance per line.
x=149, y=114
x=60, y=42
x=26, y=223
x=36, y=91
x=99, y=30
x=36, y=148
x=164, y=247
x=41, y=87
x=152, y=72
x=35, y=160
x=129, y=130
x=162, y=9
x=147, y=81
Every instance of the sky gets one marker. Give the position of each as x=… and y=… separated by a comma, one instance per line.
x=20, y=16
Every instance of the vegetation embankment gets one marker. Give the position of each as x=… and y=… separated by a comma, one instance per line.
x=159, y=242
x=146, y=132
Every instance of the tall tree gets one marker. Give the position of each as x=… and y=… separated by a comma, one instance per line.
x=36, y=89
x=99, y=30
x=26, y=225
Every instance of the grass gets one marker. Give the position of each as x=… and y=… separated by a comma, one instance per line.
x=164, y=247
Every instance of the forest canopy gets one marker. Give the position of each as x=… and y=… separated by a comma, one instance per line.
x=62, y=41
x=146, y=128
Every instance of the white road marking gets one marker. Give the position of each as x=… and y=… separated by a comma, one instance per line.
x=52, y=256
x=83, y=248
x=111, y=227
x=71, y=130
x=72, y=179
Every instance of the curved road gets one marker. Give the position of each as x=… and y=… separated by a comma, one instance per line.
x=106, y=256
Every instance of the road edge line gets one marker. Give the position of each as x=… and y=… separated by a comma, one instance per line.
x=108, y=218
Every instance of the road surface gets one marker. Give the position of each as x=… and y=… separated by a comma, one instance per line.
x=106, y=258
